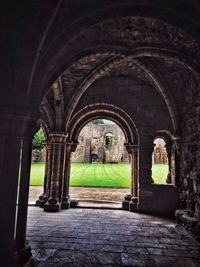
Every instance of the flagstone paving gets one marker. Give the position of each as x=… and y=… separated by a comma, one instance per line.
x=89, y=237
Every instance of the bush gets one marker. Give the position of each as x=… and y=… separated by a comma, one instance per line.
x=98, y=121
x=38, y=139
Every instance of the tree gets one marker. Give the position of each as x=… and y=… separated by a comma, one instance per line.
x=38, y=139
x=98, y=121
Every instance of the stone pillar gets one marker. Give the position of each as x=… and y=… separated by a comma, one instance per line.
x=152, y=161
x=145, y=160
x=23, y=252
x=48, y=170
x=135, y=172
x=12, y=130
x=133, y=196
x=134, y=200
x=58, y=144
x=66, y=174
x=169, y=152
x=177, y=161
x=9, y=168
x=73, y=202
x=47, y=175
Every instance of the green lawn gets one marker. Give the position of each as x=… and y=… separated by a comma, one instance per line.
x=112, y=175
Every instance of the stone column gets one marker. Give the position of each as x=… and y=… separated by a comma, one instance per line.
x=48, y=171
x=47, y=175
x=10, y=145
x=23, y=252
x=135, y=172
x=145, y=160
x=73, y=202
x=58, y=142
x=66, y=174
x=169, y=156
x=132, y=197
x=12, y=130
x=175, y=162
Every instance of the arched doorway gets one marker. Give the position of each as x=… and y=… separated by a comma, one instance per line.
x=128, y=48
x=66, y=144
x=100, y=164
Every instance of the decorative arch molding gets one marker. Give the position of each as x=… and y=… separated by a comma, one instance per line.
x=86, y=83
x=169, y=138
x=58, y=103
x=156, y=30
x=49, y=112
x=157, y=79
x=166, y=135
x=45, y=129
x=150, y=72
x=103, y=110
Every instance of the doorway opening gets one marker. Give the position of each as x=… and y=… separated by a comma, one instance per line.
x=100, y=166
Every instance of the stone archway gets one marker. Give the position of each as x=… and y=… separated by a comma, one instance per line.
x=107, y=111
x=158, y=36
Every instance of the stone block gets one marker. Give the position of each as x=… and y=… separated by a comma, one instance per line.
x=125, y=205
x=52, y=207
x=73, y=203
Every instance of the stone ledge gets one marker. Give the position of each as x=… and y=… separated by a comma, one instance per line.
x=190, y=223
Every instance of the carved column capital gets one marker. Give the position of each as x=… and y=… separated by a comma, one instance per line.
x=57, y=137
x=47, y=144
x=74, y=146
x=131, y=148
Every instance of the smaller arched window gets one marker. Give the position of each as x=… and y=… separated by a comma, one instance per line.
x=108, y=139
x=159, y=162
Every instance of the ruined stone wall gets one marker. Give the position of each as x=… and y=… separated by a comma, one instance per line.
x=190, y=151
x=160, y=153
x=92, y=141
x=38, y=155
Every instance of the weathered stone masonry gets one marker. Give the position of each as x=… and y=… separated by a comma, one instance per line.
x=92, y=143
x=63, y=64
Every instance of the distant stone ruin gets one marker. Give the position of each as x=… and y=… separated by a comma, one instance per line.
x=160, y=152
x=102, y=143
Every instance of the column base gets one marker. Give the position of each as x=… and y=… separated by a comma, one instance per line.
x=24, y=257
x=38, y=203
x=42, y=203
x=39, y=200
x=52, y=205
x=133, y=205
x=65, y=203
x=126, y=201
x=73, y=203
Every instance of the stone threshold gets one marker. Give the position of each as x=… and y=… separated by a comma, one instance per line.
x=93, y=204
x=99, y=204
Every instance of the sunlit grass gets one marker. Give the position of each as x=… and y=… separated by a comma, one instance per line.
x=100, y=175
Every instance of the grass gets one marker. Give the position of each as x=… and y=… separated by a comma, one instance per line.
x=100, y=175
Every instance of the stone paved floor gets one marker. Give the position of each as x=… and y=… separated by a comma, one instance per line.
x=86, y=237
x=95, y=193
